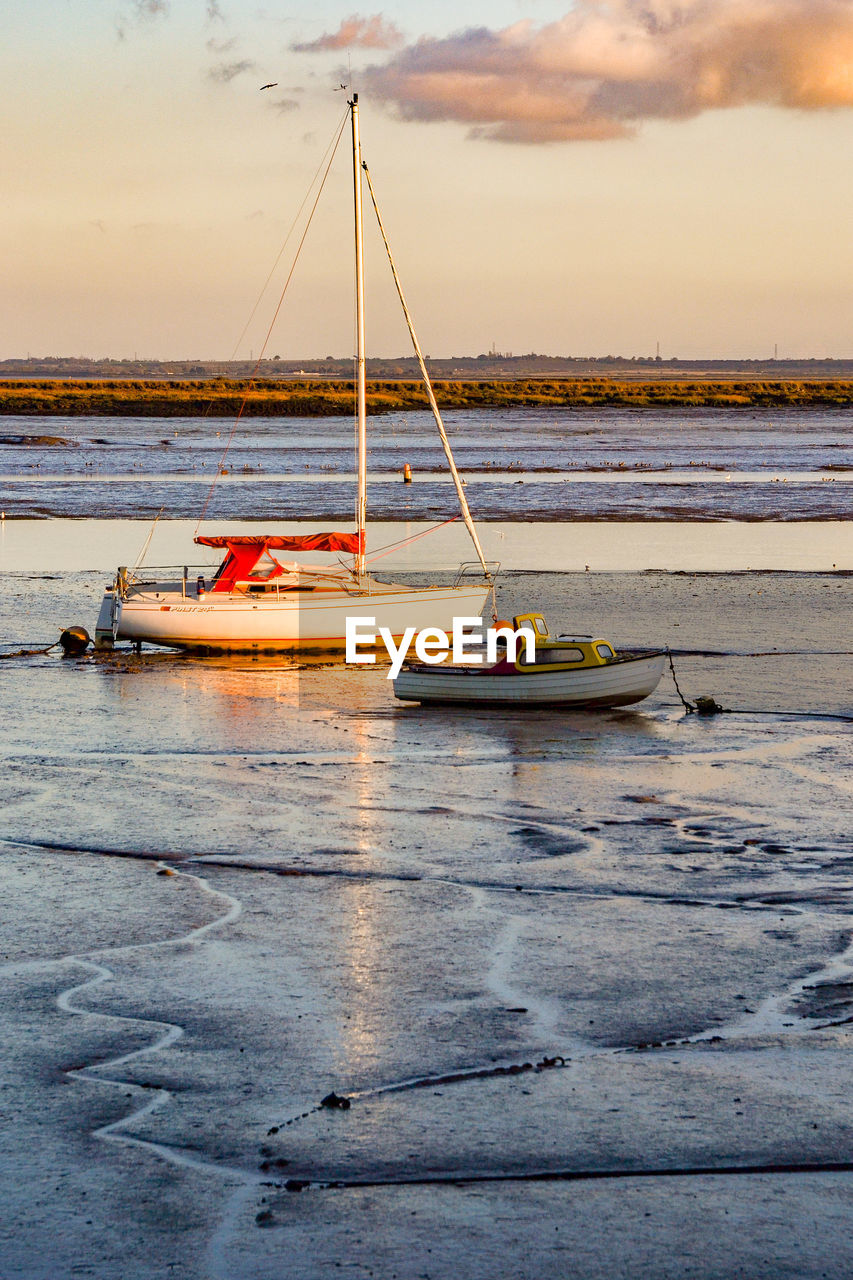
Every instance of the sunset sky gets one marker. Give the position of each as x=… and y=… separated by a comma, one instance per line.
x=583, y=179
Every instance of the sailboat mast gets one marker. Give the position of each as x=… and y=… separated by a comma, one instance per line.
x=361, y=383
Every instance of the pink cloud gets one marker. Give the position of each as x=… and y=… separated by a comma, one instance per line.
x=367, y=33
x=150, y=8
x=609, y=65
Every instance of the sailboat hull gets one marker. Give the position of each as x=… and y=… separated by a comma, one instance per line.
x=285, y=622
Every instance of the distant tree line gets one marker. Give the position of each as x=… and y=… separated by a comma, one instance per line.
x=224, y=397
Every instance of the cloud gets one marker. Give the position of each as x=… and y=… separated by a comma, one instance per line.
x=214, y=13
x=150, y=8
x=284, y=106
x=367, y=33
x=139, y=10
x=609, y=65
x=225, y=72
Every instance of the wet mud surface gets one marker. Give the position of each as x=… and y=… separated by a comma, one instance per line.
x=827, y=498
x=561, y=464
x=585, y=980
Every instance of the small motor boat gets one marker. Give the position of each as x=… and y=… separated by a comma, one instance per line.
x=566, y=671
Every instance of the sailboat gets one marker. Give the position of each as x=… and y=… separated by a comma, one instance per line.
x=257, y=601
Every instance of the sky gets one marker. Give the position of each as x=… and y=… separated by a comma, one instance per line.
x=571, y=177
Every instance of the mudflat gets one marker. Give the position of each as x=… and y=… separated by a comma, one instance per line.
x=584, y=980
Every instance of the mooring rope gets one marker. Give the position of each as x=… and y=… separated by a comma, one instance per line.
x=29, y=653
x=707, y=706
x=688, y=706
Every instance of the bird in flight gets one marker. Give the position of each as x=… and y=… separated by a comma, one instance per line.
x=268, y=86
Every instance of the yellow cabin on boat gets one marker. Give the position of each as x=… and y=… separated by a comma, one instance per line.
x=560, y=653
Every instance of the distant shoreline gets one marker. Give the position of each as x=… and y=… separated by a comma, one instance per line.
x=224, y=398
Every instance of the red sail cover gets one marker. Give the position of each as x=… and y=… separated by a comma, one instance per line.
x=245, y=551
x=298, y=542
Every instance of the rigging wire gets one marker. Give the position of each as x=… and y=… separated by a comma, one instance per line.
x=147, y=543
x=257, y=363
x=405, y=542
x=333, y=142
x=433, y=404
x=355, y=423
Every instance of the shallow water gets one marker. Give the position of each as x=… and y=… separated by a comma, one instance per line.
x=586, y=979
x=436, y=500
x=51, y=547
x=798, y=462
x=530, y=949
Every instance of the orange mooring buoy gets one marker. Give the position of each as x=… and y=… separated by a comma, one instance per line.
x=407, y=474
x=74, y=641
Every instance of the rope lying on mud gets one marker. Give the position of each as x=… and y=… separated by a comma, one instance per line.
x=707, y=706
x=29, y=653
x=801, y=715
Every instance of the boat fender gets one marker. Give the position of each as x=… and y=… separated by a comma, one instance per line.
x=200, y=586
x=407, y=474
x=501, y=642
x=74, y=641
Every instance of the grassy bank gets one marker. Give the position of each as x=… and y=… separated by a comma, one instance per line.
x=223, y=398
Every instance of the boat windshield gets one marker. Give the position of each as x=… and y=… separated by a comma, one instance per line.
x=547, y=657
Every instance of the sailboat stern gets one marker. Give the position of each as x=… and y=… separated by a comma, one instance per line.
x=105, y=628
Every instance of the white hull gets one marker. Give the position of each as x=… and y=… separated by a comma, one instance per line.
x=282, y=622
x=614, y=684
